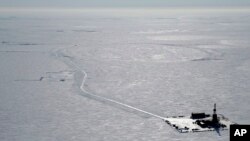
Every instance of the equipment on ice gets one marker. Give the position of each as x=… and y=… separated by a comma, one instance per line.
x=199, y=122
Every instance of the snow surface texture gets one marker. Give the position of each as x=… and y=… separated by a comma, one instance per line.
x=158, y=62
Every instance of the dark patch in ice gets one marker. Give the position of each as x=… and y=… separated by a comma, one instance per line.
x=62, y=80
x=207, y=59
x=41, y=78
x=66, y=56
x=27, y=44
x=20, y=43
x=217, y=131
x=5, y=42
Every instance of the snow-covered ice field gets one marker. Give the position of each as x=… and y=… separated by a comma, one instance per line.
x=63, y=73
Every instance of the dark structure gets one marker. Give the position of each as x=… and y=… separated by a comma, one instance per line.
x=203, y=115
x=198, y=115
x=215, y=118
x=210, y=123
x=200, y=122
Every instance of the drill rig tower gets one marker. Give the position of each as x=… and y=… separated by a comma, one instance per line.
x=215, y=118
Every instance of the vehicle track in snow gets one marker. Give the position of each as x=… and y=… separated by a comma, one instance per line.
x=60, y=54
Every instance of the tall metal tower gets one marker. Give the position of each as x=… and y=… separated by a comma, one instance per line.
x=215, y=118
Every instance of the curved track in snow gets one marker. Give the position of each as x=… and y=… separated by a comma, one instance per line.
x=85, y=75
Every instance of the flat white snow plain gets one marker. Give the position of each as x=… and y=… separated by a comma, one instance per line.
x=113, y=74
